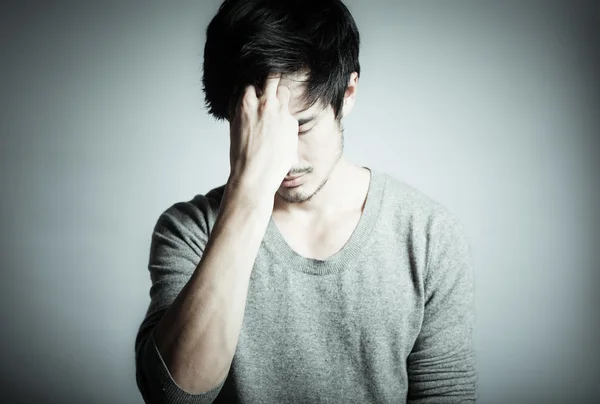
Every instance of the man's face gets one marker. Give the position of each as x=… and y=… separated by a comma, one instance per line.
x=320, y=144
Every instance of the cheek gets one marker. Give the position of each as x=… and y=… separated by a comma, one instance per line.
x=318, y=146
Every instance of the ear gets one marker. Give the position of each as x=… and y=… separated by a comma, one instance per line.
x=350, y=94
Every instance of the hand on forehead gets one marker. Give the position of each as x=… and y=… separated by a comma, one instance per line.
x=297, y=85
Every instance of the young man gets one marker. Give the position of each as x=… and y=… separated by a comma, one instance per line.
x=305, y=278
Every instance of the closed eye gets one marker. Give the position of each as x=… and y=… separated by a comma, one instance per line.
x=304, y=121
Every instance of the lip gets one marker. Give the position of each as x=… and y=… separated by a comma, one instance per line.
x=292, y=182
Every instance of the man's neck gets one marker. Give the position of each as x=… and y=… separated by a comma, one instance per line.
x=344, y=191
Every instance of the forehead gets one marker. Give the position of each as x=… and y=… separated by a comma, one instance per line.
x=296, y=83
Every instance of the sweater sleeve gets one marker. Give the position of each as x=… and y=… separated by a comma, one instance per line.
x=178, y=240
x=441, y=365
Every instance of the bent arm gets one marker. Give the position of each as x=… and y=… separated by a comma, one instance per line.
x=186, y=344
x=441, y=366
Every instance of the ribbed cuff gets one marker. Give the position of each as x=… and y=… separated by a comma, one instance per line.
x=164, y=388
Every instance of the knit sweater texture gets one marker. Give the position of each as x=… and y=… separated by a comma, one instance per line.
x=387, y=319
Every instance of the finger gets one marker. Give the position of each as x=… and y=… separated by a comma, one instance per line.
x=283, y=95
x=248, y=97
x=250, y=93
x=271, y=85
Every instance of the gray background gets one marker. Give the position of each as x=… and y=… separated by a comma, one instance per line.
x=491, y=108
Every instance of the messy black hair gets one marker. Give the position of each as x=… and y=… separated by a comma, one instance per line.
x=248, y=40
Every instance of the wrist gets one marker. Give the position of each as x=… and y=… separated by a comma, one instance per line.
x=248, y=194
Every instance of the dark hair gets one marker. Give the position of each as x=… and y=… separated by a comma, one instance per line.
x=249, y=39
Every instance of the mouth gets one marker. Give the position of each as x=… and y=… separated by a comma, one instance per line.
x=292, y=182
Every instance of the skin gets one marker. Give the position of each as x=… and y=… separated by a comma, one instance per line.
x=317, y=217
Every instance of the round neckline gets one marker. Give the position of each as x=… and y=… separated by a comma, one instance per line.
x=358, y=241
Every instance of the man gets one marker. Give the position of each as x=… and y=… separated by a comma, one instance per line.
x=305, y=278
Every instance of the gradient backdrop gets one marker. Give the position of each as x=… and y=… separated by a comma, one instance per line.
x=491, y=108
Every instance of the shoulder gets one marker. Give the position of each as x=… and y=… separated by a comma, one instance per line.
x=410, y=204
x=196, y=214
x=431, y=227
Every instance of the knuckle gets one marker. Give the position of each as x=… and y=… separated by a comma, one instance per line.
x=248, y=104
x=247, y=97
x=267, y=105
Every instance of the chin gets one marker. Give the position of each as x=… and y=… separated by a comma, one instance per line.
x=292, y=195
x=298, y=194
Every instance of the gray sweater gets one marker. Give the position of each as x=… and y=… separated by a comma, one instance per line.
x=387, y=319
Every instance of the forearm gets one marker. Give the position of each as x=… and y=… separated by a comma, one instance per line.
x=442, y=365
x=198, y=335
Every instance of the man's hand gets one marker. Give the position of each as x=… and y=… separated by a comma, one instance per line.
x=264, y=138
